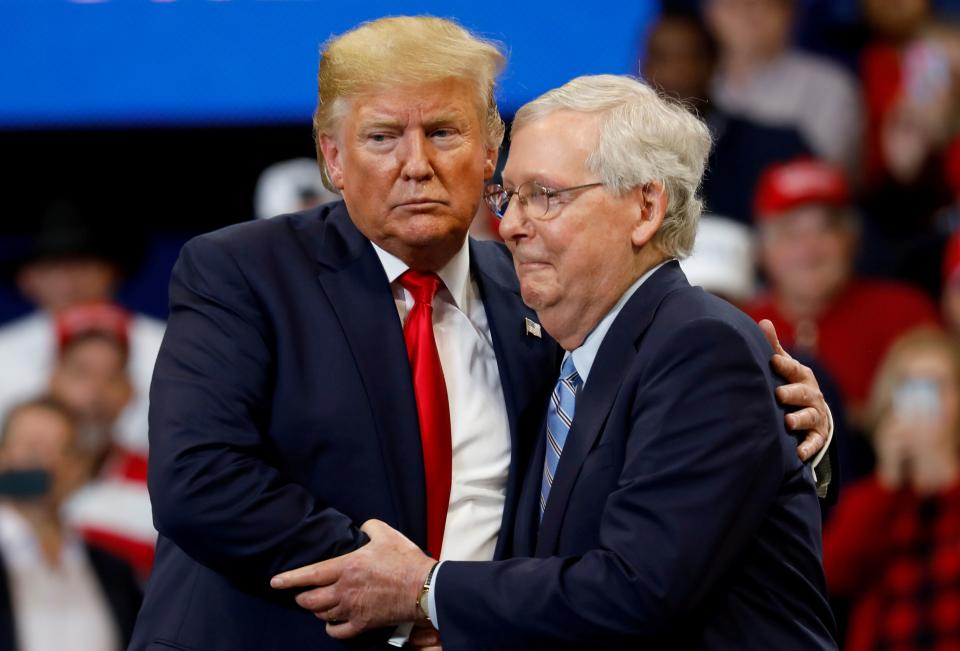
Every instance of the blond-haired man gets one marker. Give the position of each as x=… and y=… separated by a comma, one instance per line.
x=361, y=360
x=666, y=507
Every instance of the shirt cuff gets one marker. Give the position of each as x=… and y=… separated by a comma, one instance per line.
x=432, y=598
x=826, y=446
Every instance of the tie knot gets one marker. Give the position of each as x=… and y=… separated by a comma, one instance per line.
x=568, y=371
x=422, y=286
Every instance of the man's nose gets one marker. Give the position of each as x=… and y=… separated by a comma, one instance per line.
x=415, y=157
x=514, y=225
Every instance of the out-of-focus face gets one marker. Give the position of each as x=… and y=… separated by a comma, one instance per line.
x=750, y=28
x=91, y=378
x=39, y=438
x=933, y=367
x=56, y=284
x=678, y=60
x=411, y=162
x=807, y=253
x=573, y=267
x=896, y=19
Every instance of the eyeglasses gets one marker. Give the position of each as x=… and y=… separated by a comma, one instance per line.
x=534, y=198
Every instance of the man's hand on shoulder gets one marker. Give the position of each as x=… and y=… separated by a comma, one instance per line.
x=803, y=391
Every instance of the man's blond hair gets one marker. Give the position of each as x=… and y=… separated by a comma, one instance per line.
x=404, y=50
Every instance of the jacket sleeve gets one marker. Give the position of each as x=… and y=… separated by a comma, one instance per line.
x=702, y=468
x=214, y=482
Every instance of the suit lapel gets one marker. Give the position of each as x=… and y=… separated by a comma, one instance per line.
x=525, y=363
x=356, y=285
x=595, y=400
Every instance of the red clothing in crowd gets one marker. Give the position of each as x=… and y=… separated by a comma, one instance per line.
x=113, y=511
x=851, y=337
x=897, y=557
x=881, y=74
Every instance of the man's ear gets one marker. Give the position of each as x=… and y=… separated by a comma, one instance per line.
x=652, y=200
x=490, y=163
x=331, y=158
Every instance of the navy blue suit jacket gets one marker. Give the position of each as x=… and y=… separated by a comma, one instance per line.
x=282, y=417
x=680, y=516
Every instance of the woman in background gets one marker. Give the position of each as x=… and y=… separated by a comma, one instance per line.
x=892, y=547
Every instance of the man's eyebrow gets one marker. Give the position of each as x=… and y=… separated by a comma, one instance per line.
x=452, y=117
x=377, y=122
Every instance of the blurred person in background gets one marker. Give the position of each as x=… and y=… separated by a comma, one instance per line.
x=56, y=592
x=917, y=153
x=893, y=24
x=893, y=546
x=74, y=262
x=680, y=59
x=90, y=377
x=808, y=236
x=723, y=260
x=761, y=76
x=290, y=186
x=950, y=298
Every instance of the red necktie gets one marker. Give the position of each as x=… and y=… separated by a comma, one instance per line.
x=433, y=410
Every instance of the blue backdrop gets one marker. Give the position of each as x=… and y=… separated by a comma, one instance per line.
x=141, y=62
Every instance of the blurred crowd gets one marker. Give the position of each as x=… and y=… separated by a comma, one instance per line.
x=832, y=208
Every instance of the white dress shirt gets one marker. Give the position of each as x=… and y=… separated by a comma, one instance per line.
x=54, y=608
x=479, y=429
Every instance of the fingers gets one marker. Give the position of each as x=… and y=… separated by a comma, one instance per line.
x=771, y=334
x=790, y=369
x=812, y=444
x=804, y=419
x=424, y=637
x=322, y=601
x=343, y=630
x=801, y=395
x=318, y=574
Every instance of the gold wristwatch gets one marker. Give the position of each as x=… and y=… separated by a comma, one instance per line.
x=423, y=601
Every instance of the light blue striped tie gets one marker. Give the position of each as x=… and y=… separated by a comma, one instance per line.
x=559, y=418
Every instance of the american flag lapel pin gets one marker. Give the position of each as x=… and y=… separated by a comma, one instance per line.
x=532, y=328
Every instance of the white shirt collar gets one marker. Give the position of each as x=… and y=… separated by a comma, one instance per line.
x=586, y=353
x=455, y=274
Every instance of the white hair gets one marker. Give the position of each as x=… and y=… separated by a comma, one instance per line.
x=644, y=137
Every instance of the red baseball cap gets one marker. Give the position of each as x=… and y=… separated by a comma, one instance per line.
x=100, y=318
x=799, y=182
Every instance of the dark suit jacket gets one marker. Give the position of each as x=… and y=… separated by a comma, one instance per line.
x=680, y=516
x=117, y=580
x=282, y=417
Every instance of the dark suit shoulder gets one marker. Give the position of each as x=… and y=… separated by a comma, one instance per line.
x=693, y=304
x=264, y=233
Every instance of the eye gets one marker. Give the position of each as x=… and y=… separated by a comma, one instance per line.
x=444, y=132
x=378, y=137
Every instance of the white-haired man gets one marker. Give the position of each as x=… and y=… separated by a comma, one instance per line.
x=665, y=507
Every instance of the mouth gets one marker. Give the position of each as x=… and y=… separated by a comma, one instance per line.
x=421, y=204
x=530, y=265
